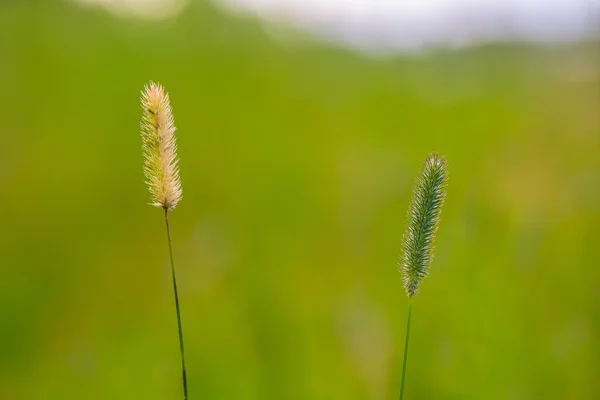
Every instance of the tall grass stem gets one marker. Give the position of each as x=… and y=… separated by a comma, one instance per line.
x=405, y=350
x=181, y=350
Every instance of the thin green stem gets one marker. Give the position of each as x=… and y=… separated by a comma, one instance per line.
x=183, y=373
x=405, y=350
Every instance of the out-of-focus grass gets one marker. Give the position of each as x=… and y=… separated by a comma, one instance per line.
x=297, y=163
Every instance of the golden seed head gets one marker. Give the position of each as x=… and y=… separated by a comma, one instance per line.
x=159, y=147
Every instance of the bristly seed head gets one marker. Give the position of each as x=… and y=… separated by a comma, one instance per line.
x=423, y=218
x=160, y=148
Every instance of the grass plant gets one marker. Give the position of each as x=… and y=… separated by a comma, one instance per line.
x=162, y=175
x=423, y=219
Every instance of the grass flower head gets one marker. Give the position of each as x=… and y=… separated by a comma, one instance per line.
x=423, y=218
x=160, y=148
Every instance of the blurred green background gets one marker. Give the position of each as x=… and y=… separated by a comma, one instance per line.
x=297, y=161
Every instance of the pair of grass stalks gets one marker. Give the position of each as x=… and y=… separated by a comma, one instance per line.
x=162, y=176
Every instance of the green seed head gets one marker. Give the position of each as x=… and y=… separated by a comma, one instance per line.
x=423, y=217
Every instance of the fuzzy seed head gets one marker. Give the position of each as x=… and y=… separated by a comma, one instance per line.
x=159, y=147
x=423, y=218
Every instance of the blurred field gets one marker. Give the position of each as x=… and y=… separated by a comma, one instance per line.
x=297, y=160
